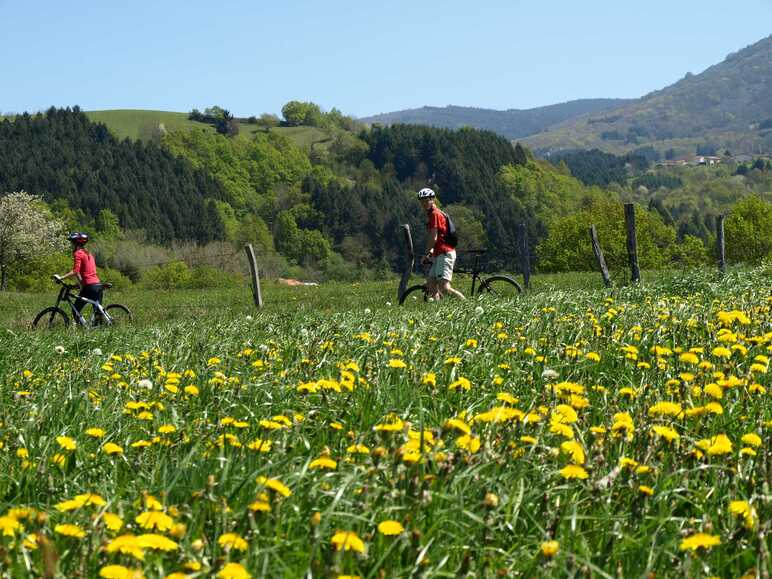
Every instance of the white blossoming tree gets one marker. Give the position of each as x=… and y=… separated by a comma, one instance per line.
x=27, y=231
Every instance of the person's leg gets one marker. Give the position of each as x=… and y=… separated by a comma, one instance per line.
x=90, y=292
x=446, y=289
x=79, y=303
x=448, y=261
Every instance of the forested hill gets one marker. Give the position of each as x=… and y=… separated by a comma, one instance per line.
x=728, y=106
x=333, y=208
x=511, y=123
x=77, y=164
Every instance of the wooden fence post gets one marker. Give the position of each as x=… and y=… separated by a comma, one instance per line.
x=409, y=261
x=632, y=242
x=255, y=275
x=599, y=256
x=525, y=258
x=720, y=243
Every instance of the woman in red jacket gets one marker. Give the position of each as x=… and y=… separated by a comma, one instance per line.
x=84, y=270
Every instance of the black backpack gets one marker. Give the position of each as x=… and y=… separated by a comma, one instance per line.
x=451, y=236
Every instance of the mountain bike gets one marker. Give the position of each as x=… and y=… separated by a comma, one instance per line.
x=56, y=317
x=495, y=285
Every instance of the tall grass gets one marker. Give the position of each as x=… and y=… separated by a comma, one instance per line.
x=317, y=372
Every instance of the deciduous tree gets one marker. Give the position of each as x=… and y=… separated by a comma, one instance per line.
x=27, y=231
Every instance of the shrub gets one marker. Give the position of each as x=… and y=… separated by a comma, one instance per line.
x=175, y=275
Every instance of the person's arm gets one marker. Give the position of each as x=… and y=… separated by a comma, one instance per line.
x=74, y=271
x=431, y=241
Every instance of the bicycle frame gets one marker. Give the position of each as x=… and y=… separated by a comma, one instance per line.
x=475, y=272
x=65, y=295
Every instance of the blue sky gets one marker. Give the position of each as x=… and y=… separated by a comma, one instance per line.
x=361, y=57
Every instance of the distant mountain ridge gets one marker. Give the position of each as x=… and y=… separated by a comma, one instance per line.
x=510, y=123
x=727, y=106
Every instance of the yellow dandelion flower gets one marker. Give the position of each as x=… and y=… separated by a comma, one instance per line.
x=564, y=414
x=95, y=432
x=665, y=409
x=397, y=363
x=154, y=520
x=549, y=548
x=669, y=434
x=499, y=414
x=66, y=442
x=113, y=521
x=232, y=541
x=573, y=471
x=699, y=541
x=70, y=531
x=233, y=571
x=275, y=485
x=323, y=462
x=563, y=430
x=9, y=526
x=751, y=439
x=158, y=542
x=358, y=449
x=461, y=383
x=469, y=443
x=507, y=398
x=574, y=450
x=112, y=448
x=745, y=510
x=261, y=505
x=120, y=572
x=390, y=528
x=721, y=352
x=646, y=490
x=347, y=541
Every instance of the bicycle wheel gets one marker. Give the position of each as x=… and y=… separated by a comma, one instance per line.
x=50, y=318
x=414, y=292
x=500, y=286
x=119, y=314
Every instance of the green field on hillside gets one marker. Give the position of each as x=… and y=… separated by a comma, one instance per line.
x=136, y=124
x=140, y=123
x=573, y=431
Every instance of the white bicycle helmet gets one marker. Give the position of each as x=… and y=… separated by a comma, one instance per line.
x=426, y=193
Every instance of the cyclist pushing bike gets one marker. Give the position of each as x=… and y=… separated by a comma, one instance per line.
x=84, y=270
x=89, y=289
x=440, y=253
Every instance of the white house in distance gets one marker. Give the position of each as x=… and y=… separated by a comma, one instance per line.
x=706, y=160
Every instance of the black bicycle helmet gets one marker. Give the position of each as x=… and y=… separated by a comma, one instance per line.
x=78, y=238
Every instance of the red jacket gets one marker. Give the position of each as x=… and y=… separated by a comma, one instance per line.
x=85, y=266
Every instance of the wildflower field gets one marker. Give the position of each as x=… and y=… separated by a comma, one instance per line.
x=570, y=432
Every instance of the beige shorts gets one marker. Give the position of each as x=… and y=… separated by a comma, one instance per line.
x=442, y=268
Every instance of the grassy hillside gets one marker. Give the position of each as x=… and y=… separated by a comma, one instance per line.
x=142, y=124
x=135, y=124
